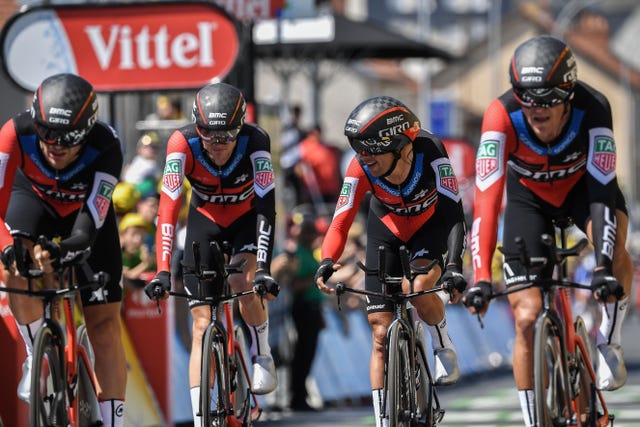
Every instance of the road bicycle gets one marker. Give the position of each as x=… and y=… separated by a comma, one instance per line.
x=410, y=397
x=224, y=348
x=63, y=391
x=565, y=392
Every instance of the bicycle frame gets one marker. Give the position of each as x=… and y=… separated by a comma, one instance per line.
x=400, y=325
x=72, y=350
x=557, y=310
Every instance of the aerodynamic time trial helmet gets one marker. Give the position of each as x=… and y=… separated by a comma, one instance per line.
x=64, y=109
x=381, y=124
x=543, y=72
x=218, y=112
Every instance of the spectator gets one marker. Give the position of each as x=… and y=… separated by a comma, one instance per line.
x=124, y=198
x=138, y=261
x=144, y=165
x=291, y=136
x=295, y=268
x=318, y=168
x=167, y=108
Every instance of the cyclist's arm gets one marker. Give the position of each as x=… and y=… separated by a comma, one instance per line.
x=265, y=204
x=178, y=154
x=93, y=213
x=602, y=184
x=10, y=158
x=491, y=164
x=353, y=190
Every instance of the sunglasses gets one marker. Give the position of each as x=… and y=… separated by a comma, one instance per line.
x=211, y=136
x=64, y=138
x=543, y=97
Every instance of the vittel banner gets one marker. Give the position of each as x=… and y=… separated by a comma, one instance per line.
x=121, y=47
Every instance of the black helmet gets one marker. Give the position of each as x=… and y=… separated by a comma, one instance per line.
x=64, y=109
x=543, y=72
x=381, y=125
x=218, y=107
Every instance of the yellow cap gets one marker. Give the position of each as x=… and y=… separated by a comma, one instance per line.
x=133, y=219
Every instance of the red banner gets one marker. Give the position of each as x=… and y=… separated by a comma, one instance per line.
x=124, y=47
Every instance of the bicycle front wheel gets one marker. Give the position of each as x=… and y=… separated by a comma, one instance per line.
x=214, y=408
x=585, y=389
x=399, y=378
x=424, y=387
x=48, y=403
x=241, y=384
x=550, y=389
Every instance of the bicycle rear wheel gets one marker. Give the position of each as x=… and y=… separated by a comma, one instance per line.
x=551, y=386
x=48, y=401
x=214, y=370
x=399, y=378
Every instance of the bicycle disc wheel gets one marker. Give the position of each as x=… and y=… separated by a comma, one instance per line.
x=47, y=404
x=586, y=400
x=399, y=378
x=550, y=389
x=241, y=383
x=214, y=371
x=424, y=387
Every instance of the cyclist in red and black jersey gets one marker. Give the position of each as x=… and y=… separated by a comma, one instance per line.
x=228, y=164
x=59, y=168
x=415, y=202
x=550, y=139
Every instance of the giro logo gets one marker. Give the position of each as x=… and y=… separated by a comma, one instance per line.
x=122, y=47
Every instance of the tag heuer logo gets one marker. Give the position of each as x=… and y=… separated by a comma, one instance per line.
x=171, y=176
x=103, y=198
x=487, y=159
x=604, y=156
x=264, y=172
x=448, y=178
x=343, y=200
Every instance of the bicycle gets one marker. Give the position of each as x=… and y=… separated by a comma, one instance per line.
x=564, y=388
x=223, y=352
x=410, y=394
x=63, y=391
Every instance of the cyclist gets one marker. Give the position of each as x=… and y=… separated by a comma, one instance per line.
x=60, y=166
x=415, y=202
x=228, y=164
x=550, y=139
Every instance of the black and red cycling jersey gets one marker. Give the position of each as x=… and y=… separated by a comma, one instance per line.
x=223, y=194
x=83, y=188
x=585, y=150
x=429, y=192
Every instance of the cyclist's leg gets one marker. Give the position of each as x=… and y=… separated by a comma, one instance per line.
x=524, y=218
x=431, y=240
x=102, y=310
x=25, y=212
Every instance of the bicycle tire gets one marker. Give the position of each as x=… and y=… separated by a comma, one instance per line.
x=551, y=383
x=586, y=400
x=214, y=368
x=424, y=386
x=241, y=384
x=48, y=399
x=398, y=378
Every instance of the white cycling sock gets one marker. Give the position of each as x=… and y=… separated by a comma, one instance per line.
x=195, y=406
x=528, y=409
x=260, y=339
x=440, y=335
x=612, y=319
x=112, y=412
x=28, y=333
x=377, y=404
